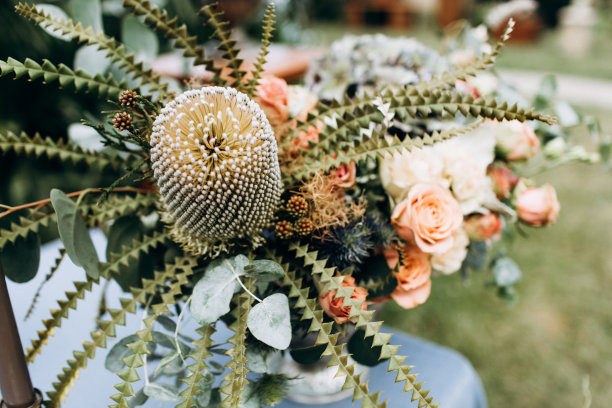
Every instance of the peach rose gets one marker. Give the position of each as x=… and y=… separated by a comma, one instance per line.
x=344, y=175
x=516, y=140
x=503, y=180
x=272, y=96
x=429, y=216
x=538, y=206
x=413, y=277
x=333, y=306
x=482, y=226
x=305, y=137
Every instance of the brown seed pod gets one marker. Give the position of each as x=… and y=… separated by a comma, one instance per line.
x=122, y=121
x=284, y=230
x=303, y=227
x=297, y=206
x=128, y=98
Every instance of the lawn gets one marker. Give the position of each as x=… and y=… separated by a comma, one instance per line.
x=542, y=351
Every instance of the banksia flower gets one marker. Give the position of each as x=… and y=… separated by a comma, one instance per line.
x=122, y=121
x=303, y=227
x=215, y=160
x=297, y=206
x=128, y=98
x=284, y=230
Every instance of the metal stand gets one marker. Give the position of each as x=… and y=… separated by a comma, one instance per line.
x=15, y=380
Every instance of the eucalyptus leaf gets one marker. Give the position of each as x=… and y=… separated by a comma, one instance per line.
x=362, y=351
x=269, y=321
x=74, y=234
x=167, y=341
x=162, y=392
x=213, y=293
x=138, y=399
x=139, y=38
x=264, y=269
x=165, y=361
x=114, y=358
x=21, y=259
x=506, y=272
x=88, y=13
x=91, y=60
x=566, y=114
x=256, y=361
x=307, y=355
x=203, y=396
x=166, y=322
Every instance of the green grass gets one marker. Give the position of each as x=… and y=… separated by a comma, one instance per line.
x=537, y=353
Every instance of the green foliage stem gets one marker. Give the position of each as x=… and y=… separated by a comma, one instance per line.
x=54, y=268
x=115, y=51
x=310, y=309
x=330, y=281
x=64, y=151
x=159, y=20
x=199, y=355
x=65, y=76
x=178, y=273
x=236, y=377
x=268, y=28
x=72, y=297
x=107, y=329
x=226, y=45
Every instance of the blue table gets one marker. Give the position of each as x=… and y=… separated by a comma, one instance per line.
x=450, y=377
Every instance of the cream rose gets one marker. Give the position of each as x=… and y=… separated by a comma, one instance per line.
x=516, y=140
x=429, y=216
x=450, y=261
x=300, y=101
x=333, y=306
x=400, y=172
x=413, y=277
x=538, y=206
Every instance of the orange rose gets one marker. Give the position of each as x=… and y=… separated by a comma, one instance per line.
x=503, y=180
x=413, y=278
x=429, y=216
x=333, y=306
x=272, y=97
x=538, y=206
x=345, y=175
x=482, y=226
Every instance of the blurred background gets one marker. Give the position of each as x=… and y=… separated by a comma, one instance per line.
x=553, y=347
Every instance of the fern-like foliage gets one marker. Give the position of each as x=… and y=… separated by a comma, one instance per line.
x=269, y=22
x=119, y=205
x=66, y=152
x=115, y=51
x=82, y=288
x=26, y=225
x=159, y=20
x=330, y=281
x=236, y=377
x=54, y=268
x=310, y=309
x=377, y=146
x=226, y=45
x=199, y=355
x=107, y=329
x=63, y=75
x=178, y=273
x=344, y=120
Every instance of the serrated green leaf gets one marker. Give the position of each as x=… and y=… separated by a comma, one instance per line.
x=114, y=358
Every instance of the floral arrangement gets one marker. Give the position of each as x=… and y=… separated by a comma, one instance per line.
x=267, y=209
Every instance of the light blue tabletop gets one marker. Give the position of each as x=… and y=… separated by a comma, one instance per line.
x=450, y=377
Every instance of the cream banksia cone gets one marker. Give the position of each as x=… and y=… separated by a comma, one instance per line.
x=215, y=160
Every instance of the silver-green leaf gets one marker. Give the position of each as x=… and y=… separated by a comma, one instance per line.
x=74, y=234
x=269, y=321
x=213, y=293
x=161, y=392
